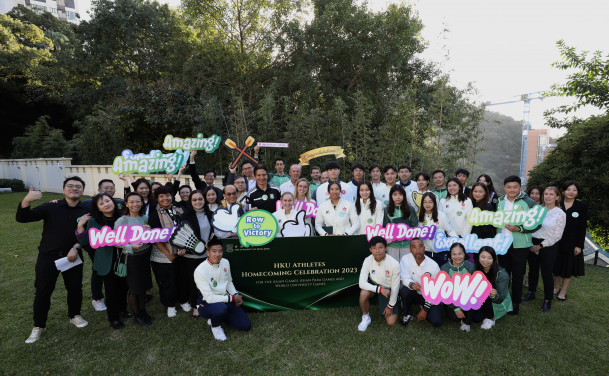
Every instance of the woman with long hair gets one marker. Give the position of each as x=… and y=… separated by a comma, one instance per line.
x=545, y=248
x=398, y=211
x=139, y=277
x=104, y=212
x=337, y=213
x=430, y=215
x=457, y=207
x=484, y=178
x=499, y=301
x=457, y=263
x=211, y=199
x=367, y=207
x=570, y=260
x=534, y=193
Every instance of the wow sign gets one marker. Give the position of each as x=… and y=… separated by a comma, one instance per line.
x=144, y=164
x=126, y=234
x=529, y=219
x=308, y=206
x=395, y=232
x=463, y=290
x=257, y=227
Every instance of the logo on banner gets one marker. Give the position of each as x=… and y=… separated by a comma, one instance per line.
x=256, y=228
x=529, y=219
x=465, y=291
x=472, y=244
x=395, y=232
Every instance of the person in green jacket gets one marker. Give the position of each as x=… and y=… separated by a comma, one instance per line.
x=104, y=212
x=439, y=181
x=457, y=264
x=280, y=177
x=499, y=301
x=515, y=260
x=398, y=211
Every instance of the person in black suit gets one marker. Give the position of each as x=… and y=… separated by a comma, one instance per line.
x=570, y=261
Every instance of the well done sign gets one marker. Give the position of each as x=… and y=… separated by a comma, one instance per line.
x=127, y=234
x=395, y=232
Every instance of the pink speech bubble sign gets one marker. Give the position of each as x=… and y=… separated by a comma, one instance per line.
x=400, y=231
x=465, y=291
x=127, y=234
x=308, y=206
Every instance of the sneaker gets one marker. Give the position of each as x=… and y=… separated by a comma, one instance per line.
x=36, y=333
x=406, y=320
x=465, y=327
x=171, y=312
x=366, y=320
x=79, y=322
x=487, y=324
x=186, y=307
x=99, y=305
x=209, y=322
x=218, y=333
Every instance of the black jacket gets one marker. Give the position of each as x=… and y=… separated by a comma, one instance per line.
x=485, y=231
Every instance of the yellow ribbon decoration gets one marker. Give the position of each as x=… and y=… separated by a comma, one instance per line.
x=326, y=150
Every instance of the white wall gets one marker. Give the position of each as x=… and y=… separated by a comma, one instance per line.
x=48, y=174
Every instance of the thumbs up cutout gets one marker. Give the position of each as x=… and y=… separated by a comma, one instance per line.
x=297, y=227
x=226, y=219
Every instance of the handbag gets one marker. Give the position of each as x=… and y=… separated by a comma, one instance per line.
x=120, y=269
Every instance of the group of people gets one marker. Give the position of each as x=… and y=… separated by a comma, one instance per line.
x=203, y=281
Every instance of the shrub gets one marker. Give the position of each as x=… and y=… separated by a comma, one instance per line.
x=15, y=185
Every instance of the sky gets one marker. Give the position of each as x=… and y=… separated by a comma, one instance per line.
x=506, y=48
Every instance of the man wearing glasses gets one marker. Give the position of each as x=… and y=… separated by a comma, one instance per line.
x=58, y=241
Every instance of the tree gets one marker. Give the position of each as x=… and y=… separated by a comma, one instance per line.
x=41, y=141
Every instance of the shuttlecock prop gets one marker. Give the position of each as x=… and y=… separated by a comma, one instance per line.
x=185, y=238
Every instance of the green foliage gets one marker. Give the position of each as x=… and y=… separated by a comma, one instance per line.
x=581, y=156
x=41, y=141
x=15, y=185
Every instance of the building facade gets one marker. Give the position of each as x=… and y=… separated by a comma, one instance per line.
x=62, y=9
x=538, y=147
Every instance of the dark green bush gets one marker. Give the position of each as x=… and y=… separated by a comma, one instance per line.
x=15, y=184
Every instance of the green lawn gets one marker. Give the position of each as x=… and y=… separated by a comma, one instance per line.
x=571, y=339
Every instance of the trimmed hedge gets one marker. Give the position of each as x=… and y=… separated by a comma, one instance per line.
x=15, y=185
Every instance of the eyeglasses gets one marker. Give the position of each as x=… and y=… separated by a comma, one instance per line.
x=198, y=199
x=230, y=194
x=209, y=176
x=248, y=168
x=72, y=186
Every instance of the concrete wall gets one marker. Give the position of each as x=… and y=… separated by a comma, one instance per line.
x=48, y=174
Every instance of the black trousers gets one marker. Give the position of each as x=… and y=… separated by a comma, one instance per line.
x=46, y=279
x=485, y=311
x=186, y=279
x=116, y=295
x=165, y=275
x=515, y=264
x=97, y=282
x=452, y=315
x=410, y=297
x=544, y=260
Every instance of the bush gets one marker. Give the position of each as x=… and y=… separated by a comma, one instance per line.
x=15, y=184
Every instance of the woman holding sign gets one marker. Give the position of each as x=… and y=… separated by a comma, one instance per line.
x=498, y=302
x=367, y=207
x=430, y=215
x=139, y=278
x=398, y=211
x=457, y=263
x=288, y=213
x=104, y=212
x=337, y=213
x=200, y=219
x=570, y=261
x=457, y=208
x=545, y=248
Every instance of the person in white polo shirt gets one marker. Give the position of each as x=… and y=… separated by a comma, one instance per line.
x=337, y=213
x=381, y=191
x=290, y=185
x=380, y=276
x=219, y=301
x=357, y=170
x=412, y=268
x=323, y=192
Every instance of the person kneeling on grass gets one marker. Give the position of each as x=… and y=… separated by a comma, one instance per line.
x=499, y=301
x=380, y=276
x=412, y=268
x=219, y=300
x=457, y=264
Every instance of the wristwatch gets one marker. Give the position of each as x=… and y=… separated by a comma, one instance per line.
x=76, y=248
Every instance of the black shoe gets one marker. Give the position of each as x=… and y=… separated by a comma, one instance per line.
x=529, y=296
x=147, y=317
x=141, y=321
x=117, y=324
x=561, y=299
x=546, y=306
x=126, y=315
x=514, y=311
x=406, y=320
x=148, y=298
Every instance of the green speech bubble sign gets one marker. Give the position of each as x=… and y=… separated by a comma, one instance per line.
x=529, y=219
x=256, y=228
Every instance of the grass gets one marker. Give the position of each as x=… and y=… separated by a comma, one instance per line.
x=570, y=339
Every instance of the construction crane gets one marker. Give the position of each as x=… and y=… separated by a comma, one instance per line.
x=526, y=126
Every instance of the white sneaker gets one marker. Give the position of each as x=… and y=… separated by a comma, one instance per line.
x=487, y=324
x=171, y=312
x=366, y=320
x=209, y=322
x=186, y=307
x=218, y=333
x=465, y=327
x=79, y=322
x=35, y=336
x=99, y=305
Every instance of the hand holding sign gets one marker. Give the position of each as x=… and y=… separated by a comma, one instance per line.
x=297, y=227
x=226, y=219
